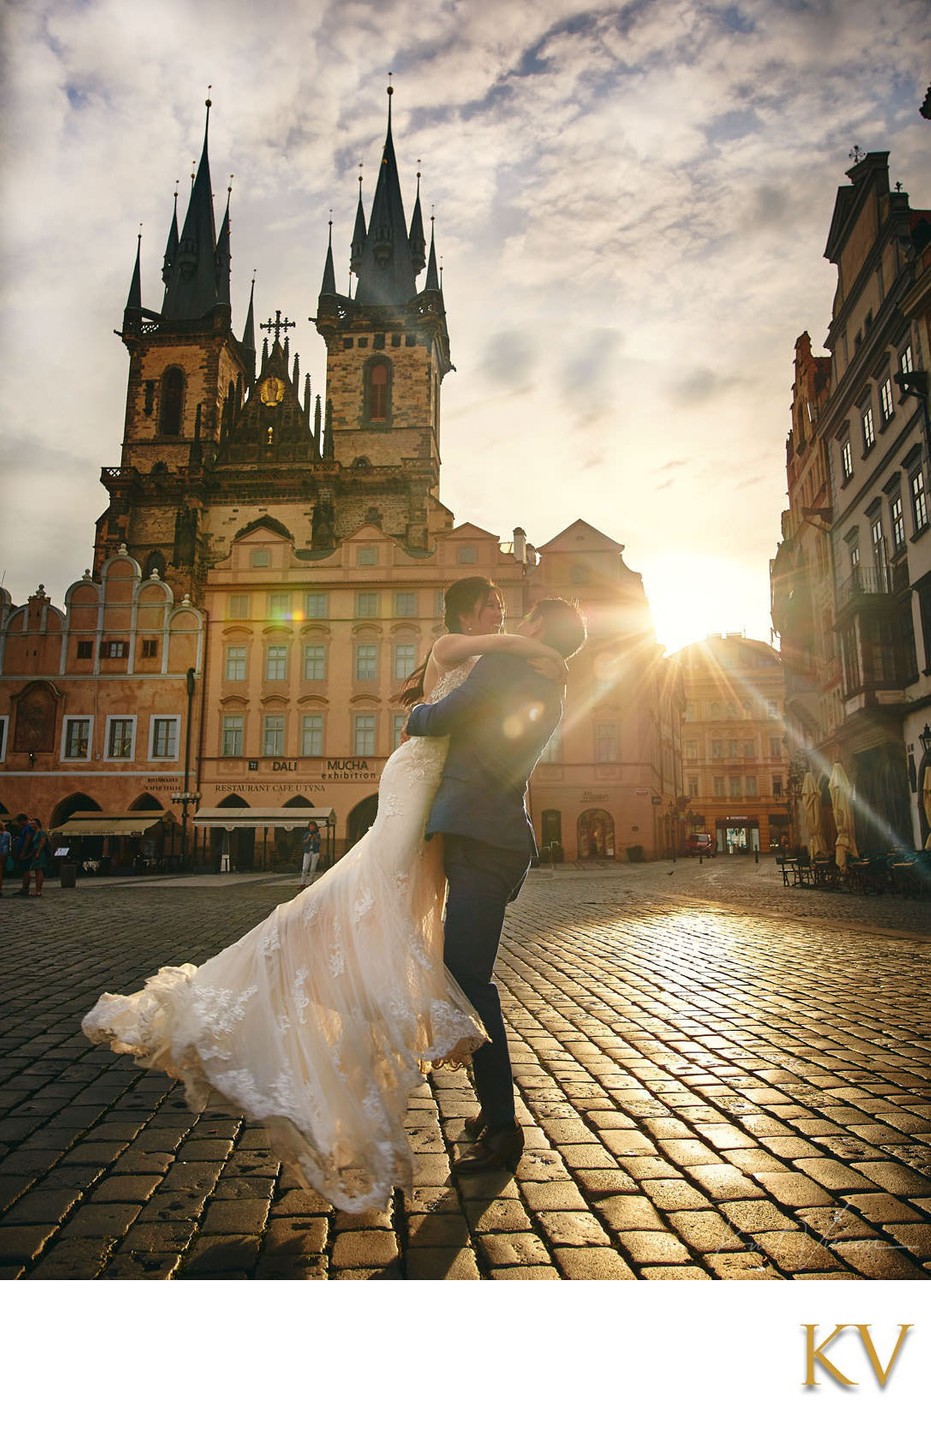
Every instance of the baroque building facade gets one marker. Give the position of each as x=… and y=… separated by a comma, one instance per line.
x=733, y=742
x=270, y=567
x=851, y=580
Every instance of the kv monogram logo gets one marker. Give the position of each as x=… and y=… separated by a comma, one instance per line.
x=815, y=1354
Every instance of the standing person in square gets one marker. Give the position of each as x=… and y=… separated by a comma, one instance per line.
x=311, y=846
x=498, y=722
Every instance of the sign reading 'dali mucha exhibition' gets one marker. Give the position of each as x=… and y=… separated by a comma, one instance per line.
x=335, y=769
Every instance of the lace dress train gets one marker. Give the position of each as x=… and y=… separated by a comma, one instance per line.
x=317, y=1022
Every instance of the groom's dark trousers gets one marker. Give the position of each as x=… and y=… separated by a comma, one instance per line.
x=482, y=879
x=497, y=722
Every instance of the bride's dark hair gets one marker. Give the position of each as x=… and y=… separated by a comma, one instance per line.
x=459, y=601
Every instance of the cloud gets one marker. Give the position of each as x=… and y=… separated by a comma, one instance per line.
x=631, y=203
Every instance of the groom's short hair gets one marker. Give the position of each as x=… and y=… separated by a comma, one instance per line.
x=563, y=625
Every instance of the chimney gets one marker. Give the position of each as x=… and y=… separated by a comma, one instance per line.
x=520, y=545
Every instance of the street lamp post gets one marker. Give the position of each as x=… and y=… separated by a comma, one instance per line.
x=186, y=797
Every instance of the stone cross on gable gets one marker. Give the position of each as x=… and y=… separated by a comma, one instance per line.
x=278, y=324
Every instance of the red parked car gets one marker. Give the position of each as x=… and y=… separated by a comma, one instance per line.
x=700, y=843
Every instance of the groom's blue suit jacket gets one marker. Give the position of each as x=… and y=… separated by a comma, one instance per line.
x=498, y=722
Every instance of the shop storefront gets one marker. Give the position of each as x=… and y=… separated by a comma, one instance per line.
x=738, y=835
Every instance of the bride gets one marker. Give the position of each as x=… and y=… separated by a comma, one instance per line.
x=318, y=1021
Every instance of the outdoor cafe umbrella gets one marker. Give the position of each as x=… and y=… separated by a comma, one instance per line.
x=926, y=799
x=811, y=806
x=839, y=787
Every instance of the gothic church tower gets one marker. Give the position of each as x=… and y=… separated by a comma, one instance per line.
x=387, y=354
x=211, y=449
x=187, y=376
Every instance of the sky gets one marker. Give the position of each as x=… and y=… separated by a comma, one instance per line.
x=632, y=203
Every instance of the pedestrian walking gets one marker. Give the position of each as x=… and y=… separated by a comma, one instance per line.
x=7, y=867
x=311, y=845
x=39, y=854
x=22, y=852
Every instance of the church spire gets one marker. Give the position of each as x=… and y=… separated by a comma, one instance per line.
x=222, y=256
x=385, y=269
x=248, y=333
x=192, y=279
x=416, y=236
x=358, y=234
x=134, y=301
x=432, y=280
x=329, y=271
x=171, y=245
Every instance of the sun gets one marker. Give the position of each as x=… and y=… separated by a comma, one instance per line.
x=691, y=597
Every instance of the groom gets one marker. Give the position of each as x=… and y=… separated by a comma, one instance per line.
x=498, y=723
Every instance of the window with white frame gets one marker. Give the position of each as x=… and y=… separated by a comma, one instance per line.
x=367, y=605
x=367, y=557
x=775, y=749
x=114, y=648
x=366, y=668
x=606, y=742
x=919, y=500
x=235, y=668
x=397, y=727
x=886, y=403
x=312, y=735
x=691, y=751
x=163, y=737
x=405, y=605
x=692, y=786
x=734, y=787
x=121, y=738
x=261, y=558
x=237, y=605
x=405, y=660
x=869, y=431
x=553, y=750
x=846, y=460
x=897, y=519
x=772, y=708
x=76, y=738
x=879, y=547
x=231, y=735
x=750, y=786
x=314, y=662
x=276, y=663
x=279, y=605
x=718, y=786
x=906, y=362
x=363, y=735
x=315, y=605
x=273, y=735
x=777, y=787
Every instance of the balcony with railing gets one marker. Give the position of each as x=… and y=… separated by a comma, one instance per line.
x=864, y=586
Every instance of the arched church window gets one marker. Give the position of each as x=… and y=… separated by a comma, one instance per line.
x=378, y=390
x=154, y=562
x=169, y=413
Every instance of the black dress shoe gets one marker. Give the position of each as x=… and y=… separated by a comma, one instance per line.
x=474, y=1126
x=496, y=1150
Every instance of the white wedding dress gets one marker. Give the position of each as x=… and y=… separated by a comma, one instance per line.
x=318, y=1022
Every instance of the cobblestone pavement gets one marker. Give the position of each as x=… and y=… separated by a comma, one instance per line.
x=719, y=1078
